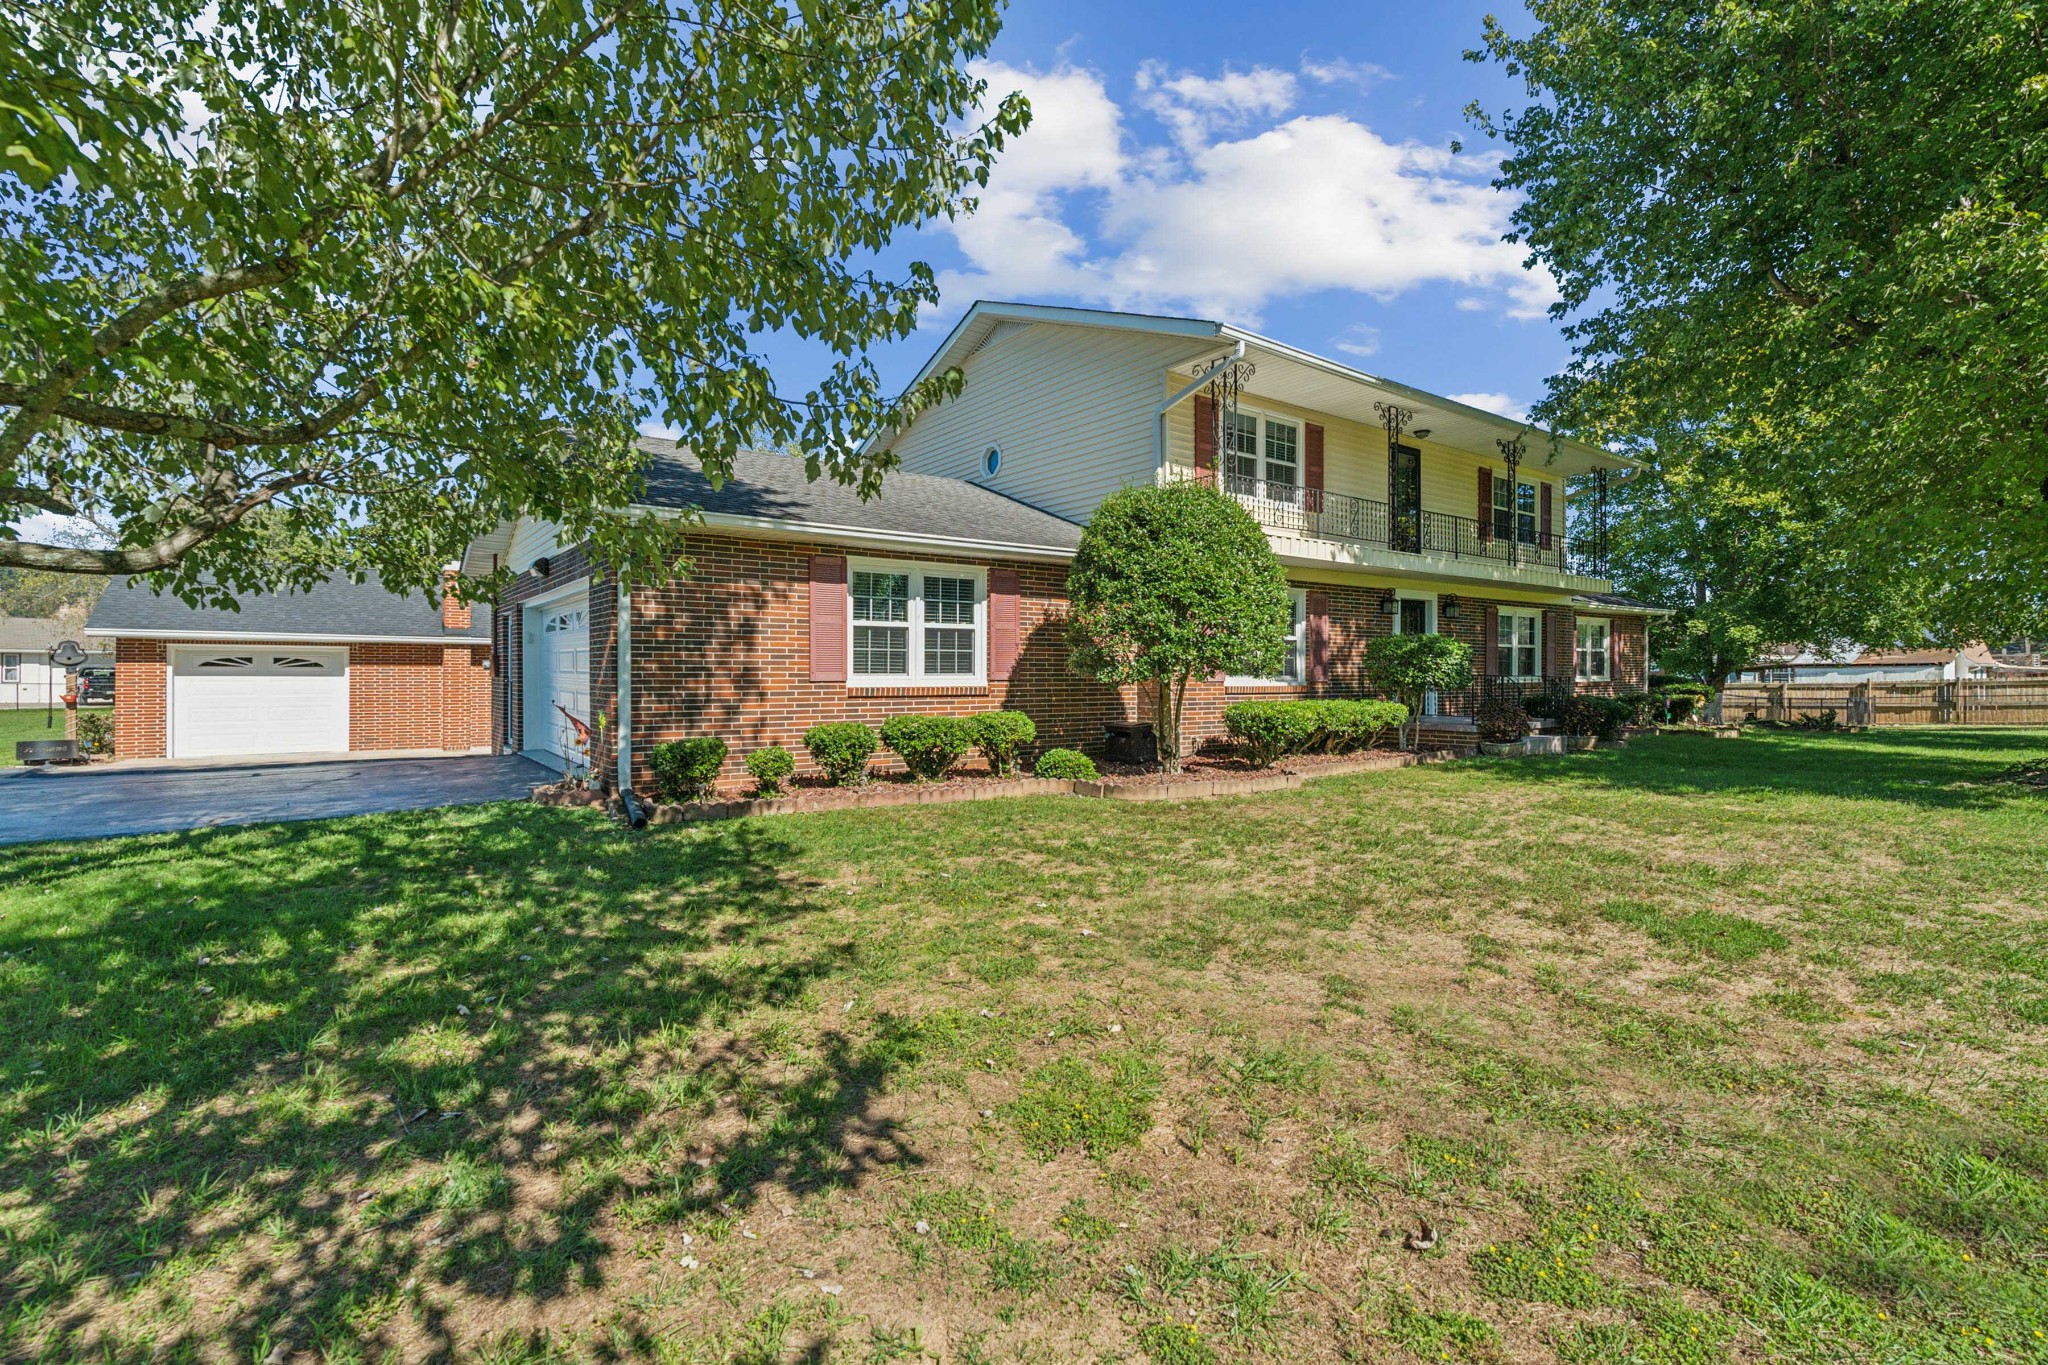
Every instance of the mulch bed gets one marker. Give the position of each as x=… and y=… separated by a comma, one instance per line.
x=2031, y=773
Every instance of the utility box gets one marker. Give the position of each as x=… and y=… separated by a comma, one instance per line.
x=1130, y=742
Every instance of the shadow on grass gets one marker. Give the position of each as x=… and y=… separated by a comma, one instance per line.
x=1940, y=769
x=462, y=994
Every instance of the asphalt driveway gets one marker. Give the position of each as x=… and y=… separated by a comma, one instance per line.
x=93, y=803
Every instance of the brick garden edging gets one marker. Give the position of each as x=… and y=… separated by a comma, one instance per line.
x=869, y=798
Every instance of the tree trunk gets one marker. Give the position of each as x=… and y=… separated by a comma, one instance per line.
x=1166, y=705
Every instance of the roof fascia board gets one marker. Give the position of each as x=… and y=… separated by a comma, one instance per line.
x=777, y=528
x=279, y=637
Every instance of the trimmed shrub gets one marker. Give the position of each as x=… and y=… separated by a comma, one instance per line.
x=1540, y=705
x=771, y=767
x=1268, y=729
x=1578, y=715
x=1502, y=720
x=1676, y=701
x=1066, y=765
x=684, y=769
x=928, y=745
x=842, y=748
x=999, y=735
x=1348, y=725
x=95, y=732
x=1408, y=667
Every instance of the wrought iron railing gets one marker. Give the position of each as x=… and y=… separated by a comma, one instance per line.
x=1318, y=514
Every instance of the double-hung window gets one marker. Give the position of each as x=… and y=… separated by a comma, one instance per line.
x=1263, y=455
x=1594, y=650
x=1520, y=645
x=915, y=624
x=1294, y=668
x=10, y=668
x=1514, y=511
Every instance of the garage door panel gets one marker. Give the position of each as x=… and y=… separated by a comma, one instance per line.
x=259, y=701
x=558, y=638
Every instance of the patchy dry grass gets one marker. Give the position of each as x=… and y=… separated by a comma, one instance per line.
x=1695, y=1052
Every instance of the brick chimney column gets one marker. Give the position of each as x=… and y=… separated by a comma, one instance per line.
x=454, y=611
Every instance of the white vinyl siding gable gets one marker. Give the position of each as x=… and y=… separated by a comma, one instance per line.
x=1072, y=409
x=532, y=540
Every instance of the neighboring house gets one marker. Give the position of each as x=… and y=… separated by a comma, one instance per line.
x=1847, y=662
x=344, y=667
x=27, y=677
x=2016, y=658
x=946, y=594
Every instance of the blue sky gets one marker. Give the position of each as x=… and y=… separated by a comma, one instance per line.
x=1284, y=165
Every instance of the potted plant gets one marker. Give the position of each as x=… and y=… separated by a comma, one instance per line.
x=1503, y=727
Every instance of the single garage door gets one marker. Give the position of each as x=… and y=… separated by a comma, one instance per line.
x=258, y=701
x=558, y=678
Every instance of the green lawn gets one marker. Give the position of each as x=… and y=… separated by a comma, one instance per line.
x=26, y=723
x=1697, y=1051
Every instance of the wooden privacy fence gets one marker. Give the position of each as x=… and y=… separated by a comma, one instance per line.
x=1983, y=701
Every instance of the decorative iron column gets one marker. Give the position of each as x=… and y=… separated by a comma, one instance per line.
x=1394, y=418
x=1600, y=519
x=1511, y=452
x=1224, y=391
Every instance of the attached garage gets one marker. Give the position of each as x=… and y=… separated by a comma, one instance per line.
x=342, y=668
x=228, y=700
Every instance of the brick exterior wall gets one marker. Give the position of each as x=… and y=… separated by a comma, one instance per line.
x=401, y=696
x=725, y=650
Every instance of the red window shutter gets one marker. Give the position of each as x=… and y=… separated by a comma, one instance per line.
x=1318, y=611
x=1485, y=506
x=828, y=618
x=1543, y=532
x=1552, y=635
x=1490, y=623
x=1002, y=624
x=1312, y=466
x=1205, y=438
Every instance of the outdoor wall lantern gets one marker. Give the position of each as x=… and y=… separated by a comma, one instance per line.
x=1449, y=610
x=1390, y=604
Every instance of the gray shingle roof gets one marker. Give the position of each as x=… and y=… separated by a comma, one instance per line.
x=772, y=486
x=37, y=633
x=1619, y=602
x=336, y=607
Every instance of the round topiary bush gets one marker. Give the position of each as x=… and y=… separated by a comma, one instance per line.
x=842, y=748
x=684, y=769
x=999, y=735
x=770, y=767
x=1501, y=720
x=1064, y=765
x=928, y=745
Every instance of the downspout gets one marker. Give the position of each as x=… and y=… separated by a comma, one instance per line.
x=622, y=742
x=1159, y=418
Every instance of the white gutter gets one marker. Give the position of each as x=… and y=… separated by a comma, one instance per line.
x=1159, y=418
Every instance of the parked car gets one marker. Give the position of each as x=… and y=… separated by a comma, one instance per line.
x=96, y=686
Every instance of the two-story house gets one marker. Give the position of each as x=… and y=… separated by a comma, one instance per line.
x=1393, y=510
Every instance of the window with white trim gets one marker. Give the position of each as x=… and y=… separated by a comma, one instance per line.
x=1595, y=647
x=914, y=624
x=1294, y=671
x=10, y=668
x=1263, y=454
x=1519, y=645
x=1514, y=510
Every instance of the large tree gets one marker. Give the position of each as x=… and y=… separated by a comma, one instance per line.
x=1819, y=230
x=390, y=269
x=1173, y=583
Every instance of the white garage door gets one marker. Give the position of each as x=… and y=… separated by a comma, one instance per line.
x=558, y=678
x=234, y=700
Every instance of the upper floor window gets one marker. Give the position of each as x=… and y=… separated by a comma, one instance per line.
x=1514, y=511
x=1594, y=648
x=915, y=623
x=1263, y=450
x=1294, y=668
x=1519, y=645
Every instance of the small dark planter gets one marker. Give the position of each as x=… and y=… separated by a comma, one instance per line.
x=1130, y=742
x=31, y=752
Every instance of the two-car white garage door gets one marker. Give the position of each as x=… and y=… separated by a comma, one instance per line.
x=236, y=700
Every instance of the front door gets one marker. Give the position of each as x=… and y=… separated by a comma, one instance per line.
x=1404, y=509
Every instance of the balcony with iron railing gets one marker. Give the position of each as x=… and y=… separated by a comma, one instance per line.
x=1317, y=514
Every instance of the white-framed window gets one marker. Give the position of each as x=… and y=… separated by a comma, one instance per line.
x=1294, y=672
x=1265, y=451
x=1520, y=645
x=916, y=624
x=10, y=668
x=1594, y=653
x=1514, y=511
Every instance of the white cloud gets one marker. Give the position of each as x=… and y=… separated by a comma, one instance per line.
x=1340, y=71
x=1492, y=402
x=1359, y=340
x=1244, y=205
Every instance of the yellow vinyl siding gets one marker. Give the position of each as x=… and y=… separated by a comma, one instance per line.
x=1355, y=458
x=1071, y=408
